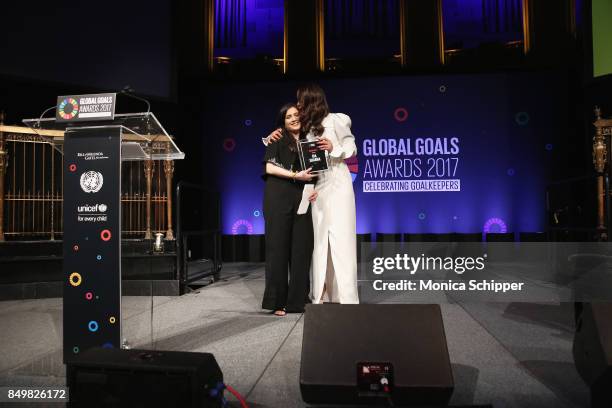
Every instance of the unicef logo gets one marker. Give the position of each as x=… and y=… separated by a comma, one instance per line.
x=96, y=208
x=91, y=181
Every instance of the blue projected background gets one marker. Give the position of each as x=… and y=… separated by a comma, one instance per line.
x=502, y=126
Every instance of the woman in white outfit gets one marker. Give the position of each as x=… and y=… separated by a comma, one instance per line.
x=334, y=260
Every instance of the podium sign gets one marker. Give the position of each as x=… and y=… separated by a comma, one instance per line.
x=92, y=239
x=80, y=108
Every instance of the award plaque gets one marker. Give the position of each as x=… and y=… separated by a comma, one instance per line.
x=312, y=156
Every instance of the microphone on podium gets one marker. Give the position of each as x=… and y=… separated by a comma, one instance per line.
x=129, y=92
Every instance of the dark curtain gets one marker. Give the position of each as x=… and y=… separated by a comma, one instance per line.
x=230, y=23
x=501, y=16
x=361, y=19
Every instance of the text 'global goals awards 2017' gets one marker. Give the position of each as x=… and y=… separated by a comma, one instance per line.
x=311, y=156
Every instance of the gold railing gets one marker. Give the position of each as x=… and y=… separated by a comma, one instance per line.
x=602, y=142
x=31, y=191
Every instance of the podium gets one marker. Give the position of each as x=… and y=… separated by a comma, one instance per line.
x=92, y=155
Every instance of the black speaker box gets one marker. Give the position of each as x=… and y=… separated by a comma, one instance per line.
x=593, y=351
x=367, y=354
x=143, y=378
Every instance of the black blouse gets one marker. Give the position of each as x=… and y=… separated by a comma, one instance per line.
x=282, y=154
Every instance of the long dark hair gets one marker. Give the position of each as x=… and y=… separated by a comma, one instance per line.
x=280, y=123
x=313, y=108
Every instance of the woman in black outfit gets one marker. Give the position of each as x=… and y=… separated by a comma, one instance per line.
x=289, y=236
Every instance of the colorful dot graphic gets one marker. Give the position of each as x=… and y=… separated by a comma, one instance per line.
x=93, y=326
x=89, y=296
x=75, y=279
x=256, y=213
x=239, y=224
x=422, y=216
x=229, y=144
x=75, y=350
x=522, y=118
x=495, y=225
x=400, y=114
x=442, y=88
x=105, y=235
x=72, y=168
x=248, y=122
x=112, y=320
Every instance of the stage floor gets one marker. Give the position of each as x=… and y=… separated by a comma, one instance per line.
x=504, y=354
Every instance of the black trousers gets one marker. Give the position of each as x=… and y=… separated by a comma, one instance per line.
x=289, y=244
